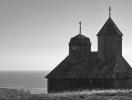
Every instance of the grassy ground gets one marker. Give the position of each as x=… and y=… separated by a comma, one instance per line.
x=92, y=95
x=10, y=94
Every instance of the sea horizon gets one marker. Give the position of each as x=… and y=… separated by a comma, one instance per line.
x=31, y=81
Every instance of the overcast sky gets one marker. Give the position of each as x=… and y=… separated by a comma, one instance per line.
x=34, y=34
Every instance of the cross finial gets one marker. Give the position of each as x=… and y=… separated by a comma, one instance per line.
x=80, y=23
x=110, y=11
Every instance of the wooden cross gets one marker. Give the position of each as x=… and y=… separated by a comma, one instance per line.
x=110, y=11
x=80, y=23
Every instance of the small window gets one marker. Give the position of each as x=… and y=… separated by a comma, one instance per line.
x=74, y=47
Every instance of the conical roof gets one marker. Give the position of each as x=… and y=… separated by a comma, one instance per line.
x=109, y=29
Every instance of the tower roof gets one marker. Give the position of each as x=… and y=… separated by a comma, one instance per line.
x=80, y=39
x=109, y=29
x=80, y=36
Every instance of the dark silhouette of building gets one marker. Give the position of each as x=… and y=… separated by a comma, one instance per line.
x=84, y=69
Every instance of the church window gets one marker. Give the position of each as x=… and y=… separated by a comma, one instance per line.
x=74, y=48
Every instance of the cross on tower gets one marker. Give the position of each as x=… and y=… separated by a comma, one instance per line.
x=110, y=11
x=80, y=23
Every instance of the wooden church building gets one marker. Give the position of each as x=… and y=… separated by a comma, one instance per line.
x=84, y=69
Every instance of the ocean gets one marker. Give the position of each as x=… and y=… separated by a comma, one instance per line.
x=31, y=81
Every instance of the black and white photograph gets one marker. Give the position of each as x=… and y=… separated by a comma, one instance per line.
x=65, y=50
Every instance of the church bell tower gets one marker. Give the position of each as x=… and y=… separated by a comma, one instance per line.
x=109, y=40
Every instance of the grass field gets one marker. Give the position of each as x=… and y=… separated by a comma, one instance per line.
x=11, y=94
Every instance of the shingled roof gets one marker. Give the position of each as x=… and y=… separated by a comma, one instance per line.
x=91, y=67
x=80, y=36
x=80, y=40
x=109, y=29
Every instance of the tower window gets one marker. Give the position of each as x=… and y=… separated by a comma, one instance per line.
x=74, y=47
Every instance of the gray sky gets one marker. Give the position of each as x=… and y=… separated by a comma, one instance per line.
x=34, y=34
